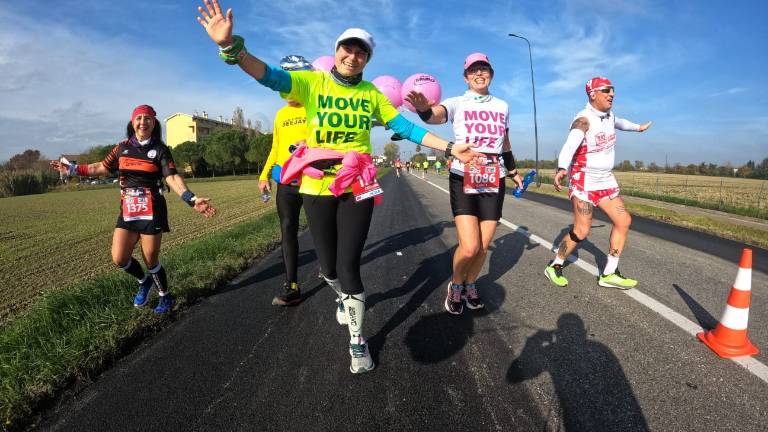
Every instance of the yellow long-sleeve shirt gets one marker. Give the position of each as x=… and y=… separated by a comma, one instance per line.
x=290, y=127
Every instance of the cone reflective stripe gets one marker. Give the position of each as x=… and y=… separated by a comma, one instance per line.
x=729, y=338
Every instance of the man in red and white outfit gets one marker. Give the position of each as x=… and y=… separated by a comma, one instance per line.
x=589, y=151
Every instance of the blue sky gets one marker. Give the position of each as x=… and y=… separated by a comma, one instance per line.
x=73, y=70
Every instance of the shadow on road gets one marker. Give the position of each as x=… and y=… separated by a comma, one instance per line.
x=402, y=240
x=593, y=391
x=705, y=319
x=429, y=276
x=438, y=336
x=278, y=269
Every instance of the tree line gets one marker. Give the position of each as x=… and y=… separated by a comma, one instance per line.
x=748, y=170
x=224, y=151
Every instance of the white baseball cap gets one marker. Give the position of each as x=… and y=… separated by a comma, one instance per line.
x=359, y=34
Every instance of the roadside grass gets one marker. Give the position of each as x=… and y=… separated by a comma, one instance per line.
x=69, y=333
x=745, y=197
x=50, y=241
x=744, y=234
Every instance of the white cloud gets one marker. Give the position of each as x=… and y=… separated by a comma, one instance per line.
x=66, y=89
x=729, y=91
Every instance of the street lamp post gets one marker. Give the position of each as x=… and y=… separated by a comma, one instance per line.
x=535, y=123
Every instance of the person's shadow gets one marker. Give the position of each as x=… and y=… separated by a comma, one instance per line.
x=591, y=386
x=438, y=336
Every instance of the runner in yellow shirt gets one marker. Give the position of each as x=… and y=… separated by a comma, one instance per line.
x=290, y=127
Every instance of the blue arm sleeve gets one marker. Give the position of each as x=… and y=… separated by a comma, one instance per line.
x=407, y=129
x=276, y=79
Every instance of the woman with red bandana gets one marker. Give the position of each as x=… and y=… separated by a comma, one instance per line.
x=143, y=162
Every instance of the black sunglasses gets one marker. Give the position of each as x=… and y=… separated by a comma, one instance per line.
x=606, y=89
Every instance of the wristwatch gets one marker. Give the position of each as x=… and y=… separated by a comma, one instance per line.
x=448, y=149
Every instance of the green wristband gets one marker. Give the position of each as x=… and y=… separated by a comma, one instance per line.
x=235, y=52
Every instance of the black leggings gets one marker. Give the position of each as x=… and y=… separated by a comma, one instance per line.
x=339, y=227
x=288, y=209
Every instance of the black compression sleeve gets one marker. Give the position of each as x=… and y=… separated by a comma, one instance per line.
x=509, y=160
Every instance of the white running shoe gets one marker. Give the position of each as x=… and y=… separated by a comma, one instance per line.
x=341, y=314
x=361, y=357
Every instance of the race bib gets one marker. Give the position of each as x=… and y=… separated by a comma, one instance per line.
x=137, y=204
x=482, y=178
x=363, y=192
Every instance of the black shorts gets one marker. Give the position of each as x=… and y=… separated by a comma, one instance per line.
x=158, y=224
x=486, y=206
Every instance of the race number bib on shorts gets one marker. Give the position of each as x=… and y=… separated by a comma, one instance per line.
x=481, y=178
x=364, y=192
x=137, y=204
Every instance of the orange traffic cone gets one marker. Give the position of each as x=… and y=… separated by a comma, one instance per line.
x=729, y=338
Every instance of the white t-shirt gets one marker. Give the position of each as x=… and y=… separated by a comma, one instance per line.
x=592, y=161
x=481, y=120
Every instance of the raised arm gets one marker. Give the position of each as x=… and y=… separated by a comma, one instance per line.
x=219, y=28
x=429, y=111
x=90, y=170
x=626, y=125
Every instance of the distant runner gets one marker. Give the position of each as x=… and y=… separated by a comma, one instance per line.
x=589, y=150
x=398, y=167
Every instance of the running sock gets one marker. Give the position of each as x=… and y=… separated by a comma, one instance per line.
x=610, y=265
x=134, y=269
x=354, y=307
x=160, y=278
x=558, y=260
x=335, y=284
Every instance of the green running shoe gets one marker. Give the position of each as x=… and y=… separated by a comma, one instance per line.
x=555, y=275
x=616, y=280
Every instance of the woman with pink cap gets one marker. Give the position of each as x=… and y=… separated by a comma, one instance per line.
x=477, y=189
x=143, y=162
x=340, y=108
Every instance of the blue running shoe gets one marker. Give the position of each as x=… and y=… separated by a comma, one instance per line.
x=143, y=294
x=165, y=304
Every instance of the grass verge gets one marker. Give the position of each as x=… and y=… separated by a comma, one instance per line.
x=72, y=332
x=744, y=234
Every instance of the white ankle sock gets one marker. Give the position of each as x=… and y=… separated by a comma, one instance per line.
x=558, y=260
x=611, y=265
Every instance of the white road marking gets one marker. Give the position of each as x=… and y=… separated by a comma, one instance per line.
x=755, y=367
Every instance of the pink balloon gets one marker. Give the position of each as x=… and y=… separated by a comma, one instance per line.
x=426, y=84
x=323, y=63
x=391, y=88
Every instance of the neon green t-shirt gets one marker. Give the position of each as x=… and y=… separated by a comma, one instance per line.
x=338, y=118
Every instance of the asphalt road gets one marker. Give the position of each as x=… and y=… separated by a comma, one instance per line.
x=537, y=358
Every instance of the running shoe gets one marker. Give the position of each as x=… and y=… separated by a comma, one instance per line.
x=453, y=302
x=472, y=298
x=143, y=294
x=290, y=297
x=341, y=314
x=165, y=304
x=616, y=280
x=361, y=357
x=555, y=274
